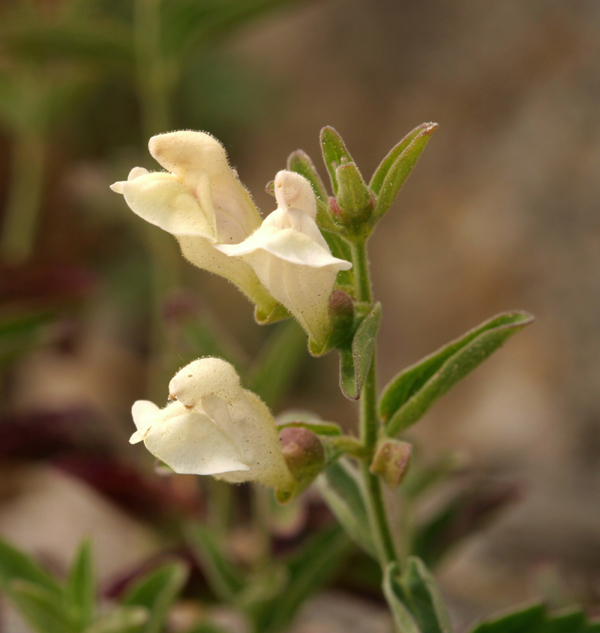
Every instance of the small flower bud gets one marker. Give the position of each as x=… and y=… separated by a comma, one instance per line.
x=355, y=200
x=391, y=461
x=303, y=452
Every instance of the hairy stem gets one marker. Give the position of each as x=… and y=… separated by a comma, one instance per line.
x=369, y=422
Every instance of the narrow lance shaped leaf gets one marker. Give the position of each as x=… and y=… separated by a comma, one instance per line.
x=409, y=395
x=14, y=565
x=81, y=585
x=335, y=154
x=224, y=578
x=395, y=597
x=400, y=170
x=424, y=598
x=386, y=164
x=41, y=608
x=355, y=360
x=342, y=489
x=156, y=592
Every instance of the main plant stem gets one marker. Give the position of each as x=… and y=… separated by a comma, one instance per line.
x=369, y=422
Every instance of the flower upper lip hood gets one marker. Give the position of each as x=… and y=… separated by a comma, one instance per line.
x=200, y=195
x=213, y=426
x=202, y=203
x=292, y=259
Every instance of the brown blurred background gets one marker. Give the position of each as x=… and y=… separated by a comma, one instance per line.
x=501, y=213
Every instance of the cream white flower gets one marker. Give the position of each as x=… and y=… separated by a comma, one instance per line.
x=201, y=202
x=292, y=259
x=213, y=427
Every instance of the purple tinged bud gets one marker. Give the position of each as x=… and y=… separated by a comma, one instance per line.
x=303, y=452
x=391, y=461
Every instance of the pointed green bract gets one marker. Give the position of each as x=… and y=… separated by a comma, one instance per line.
x=409, y=395
x=399, y=170
x=355, y=359
x=343, y=491
x=386, y=164
x=335, y=154
x=395, y=597
x=353, y=196
x=80, y=591
x=156, y=591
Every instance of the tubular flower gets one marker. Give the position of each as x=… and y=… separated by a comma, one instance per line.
x=213, y=426
x=202, y=203
x=292, y=259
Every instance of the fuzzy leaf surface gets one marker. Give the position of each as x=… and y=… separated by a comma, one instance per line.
x=409, y=395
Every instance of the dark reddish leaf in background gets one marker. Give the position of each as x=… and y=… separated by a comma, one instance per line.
x=44, y=283
x=44, y=434
x=148, y=497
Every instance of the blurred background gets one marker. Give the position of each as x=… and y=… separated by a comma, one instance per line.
x=98, y=308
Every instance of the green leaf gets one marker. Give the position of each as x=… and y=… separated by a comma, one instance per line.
x=335, y=154
x=355, y=360
x=14, y=565
x=156, y=591
x=571, y=621
x=399, y=170
x=423, y=598
x=341, y=487
x=224, y=578
x=307, y=572
x=41, y=608
x=529, y=619
x=386, y=164
x=395, y=597
x=278, y=363
x=409, y=395
x=301, y=163
x=121, y=620
x=80, y=592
